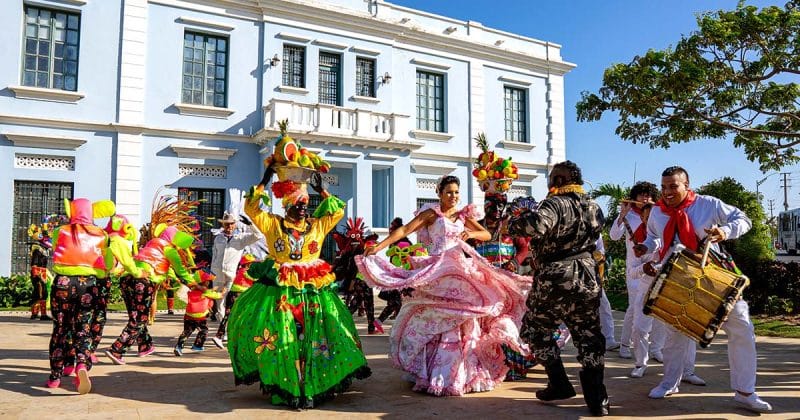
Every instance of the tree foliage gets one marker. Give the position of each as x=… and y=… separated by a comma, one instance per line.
x=735, y=75
x=754, y=246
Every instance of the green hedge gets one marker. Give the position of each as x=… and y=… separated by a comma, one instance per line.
x=15, y=291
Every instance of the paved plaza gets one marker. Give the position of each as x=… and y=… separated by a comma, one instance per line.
x=200, y=385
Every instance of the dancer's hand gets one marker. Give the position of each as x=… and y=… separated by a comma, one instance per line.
x=465, y=235
x=316, y=182
x=370, y=250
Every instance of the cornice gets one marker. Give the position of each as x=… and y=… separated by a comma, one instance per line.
x=202, y=152
x=45, y=142
x=43, y=94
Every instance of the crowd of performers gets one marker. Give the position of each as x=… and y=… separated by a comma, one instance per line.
x=480, y=298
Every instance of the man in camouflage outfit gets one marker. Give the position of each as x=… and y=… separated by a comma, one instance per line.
x=566, y=289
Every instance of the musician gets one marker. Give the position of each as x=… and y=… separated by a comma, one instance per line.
x=563, y=233
x=681, y=216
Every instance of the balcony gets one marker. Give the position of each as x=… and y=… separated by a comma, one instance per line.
x=329, y=124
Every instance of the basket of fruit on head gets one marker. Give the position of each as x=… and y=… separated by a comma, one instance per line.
x=292, y=161
x=493, y=173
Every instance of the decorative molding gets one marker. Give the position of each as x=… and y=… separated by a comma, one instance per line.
x=518, y=191
x=423, y=63
x=45, y=142
x=203, y=110
x=381, y=156
x=203, y=171
x=506, y=79
x=292, y=37
x=426, y=184
x=366, y=99
x=365, y=51
x=431, y=135
x=344, y=153
x=206, y=23
x=330, y=44
x=56, y=163
x=202, y=152
x=69, y=2
x=331, y=179
x=516, y=145
x=292, y=90
x=432, y=168
x=43, y=94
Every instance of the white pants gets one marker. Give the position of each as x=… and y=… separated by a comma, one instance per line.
x=220, y=282
x=626, y=338
x=648, y=334
x=606, y=319
x=741, y=352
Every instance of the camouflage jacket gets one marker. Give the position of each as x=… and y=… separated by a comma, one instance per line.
x=563, y=226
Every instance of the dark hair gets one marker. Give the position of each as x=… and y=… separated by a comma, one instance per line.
x=202, y=258
x=445, y=181
x=674, y=170
x=575, y=176
x=397, y=221
x=643, y=187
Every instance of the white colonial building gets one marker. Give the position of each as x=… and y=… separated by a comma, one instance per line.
x=122, y=98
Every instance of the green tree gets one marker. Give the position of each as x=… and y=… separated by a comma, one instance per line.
x=615, y=194
x=734, y=76
x=754, y=246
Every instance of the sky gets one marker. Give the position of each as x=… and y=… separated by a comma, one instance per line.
x=596, y=34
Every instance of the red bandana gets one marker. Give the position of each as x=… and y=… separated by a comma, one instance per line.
x=640, y=234
x=678, y=220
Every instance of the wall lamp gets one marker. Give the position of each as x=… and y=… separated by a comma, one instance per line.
x=386, y=78
x=274, y=60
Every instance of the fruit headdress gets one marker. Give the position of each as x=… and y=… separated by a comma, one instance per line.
x=293, y=164
x=494, y=174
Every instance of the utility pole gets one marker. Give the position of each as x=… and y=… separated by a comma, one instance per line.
x=785, y=191
x=771, y=208
x=772, y=219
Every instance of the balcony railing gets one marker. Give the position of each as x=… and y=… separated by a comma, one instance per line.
x=330, y=120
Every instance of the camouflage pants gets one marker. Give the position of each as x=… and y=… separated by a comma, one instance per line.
x=568, y=292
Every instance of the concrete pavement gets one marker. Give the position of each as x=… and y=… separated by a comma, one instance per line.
x=200, y=385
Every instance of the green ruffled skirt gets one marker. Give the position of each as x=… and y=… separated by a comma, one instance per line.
x=300, y=345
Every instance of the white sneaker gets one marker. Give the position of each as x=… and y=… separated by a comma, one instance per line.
x=660, y=392
x=217, y=342
x=752, y=403
x=225, y=337
x=638, y=371
x=693, y=379
x=658, y=357
x=625, y=352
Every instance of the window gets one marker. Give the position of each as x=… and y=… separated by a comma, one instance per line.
x=423, y=201
x=329, y=73
x=51, y=49
x=365, y=77
x=516, y=115
x=211, y=208
x=328, y=252
x=294, y=63
x=430, y=101
x=32, y=201
x=205, y=62
x=382, y=197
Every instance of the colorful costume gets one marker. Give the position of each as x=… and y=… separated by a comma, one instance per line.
x=358, y=295
x=448, y=335
x=80, y=263
x=290, y=331
x=198, y=308
x=41, y=279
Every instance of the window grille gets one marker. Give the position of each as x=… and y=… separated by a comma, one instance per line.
x=365, y=77
x=516, y=114
x=329, y=74
x=32, y=201
x=423, y=201
x=211, y=208
x=430, y=101
x=50, y=57
x=205, y=62
x=294, y=63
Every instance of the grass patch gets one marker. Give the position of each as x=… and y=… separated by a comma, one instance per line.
x=778, y=326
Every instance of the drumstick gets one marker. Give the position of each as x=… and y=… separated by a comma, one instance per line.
x=706, y=249
x=632, y=201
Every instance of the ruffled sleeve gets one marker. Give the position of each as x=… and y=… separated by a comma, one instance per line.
x=329, y=212
x=471, y=211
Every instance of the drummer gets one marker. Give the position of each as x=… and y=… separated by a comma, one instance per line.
x=681, y=216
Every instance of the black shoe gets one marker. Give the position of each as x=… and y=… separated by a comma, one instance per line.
x=170, y=312
x=45, y=318
x=34, y=316
x=558, y=385
x=594, y=391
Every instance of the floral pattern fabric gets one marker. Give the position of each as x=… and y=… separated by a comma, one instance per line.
x=449, y=333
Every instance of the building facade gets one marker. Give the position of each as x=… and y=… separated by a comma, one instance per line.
x=128, y=99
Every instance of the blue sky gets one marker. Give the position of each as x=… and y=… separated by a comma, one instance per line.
x=595, y=34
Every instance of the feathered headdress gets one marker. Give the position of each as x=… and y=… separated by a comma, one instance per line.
x=169, y=210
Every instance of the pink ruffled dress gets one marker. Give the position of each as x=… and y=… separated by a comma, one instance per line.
x=448, y=335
